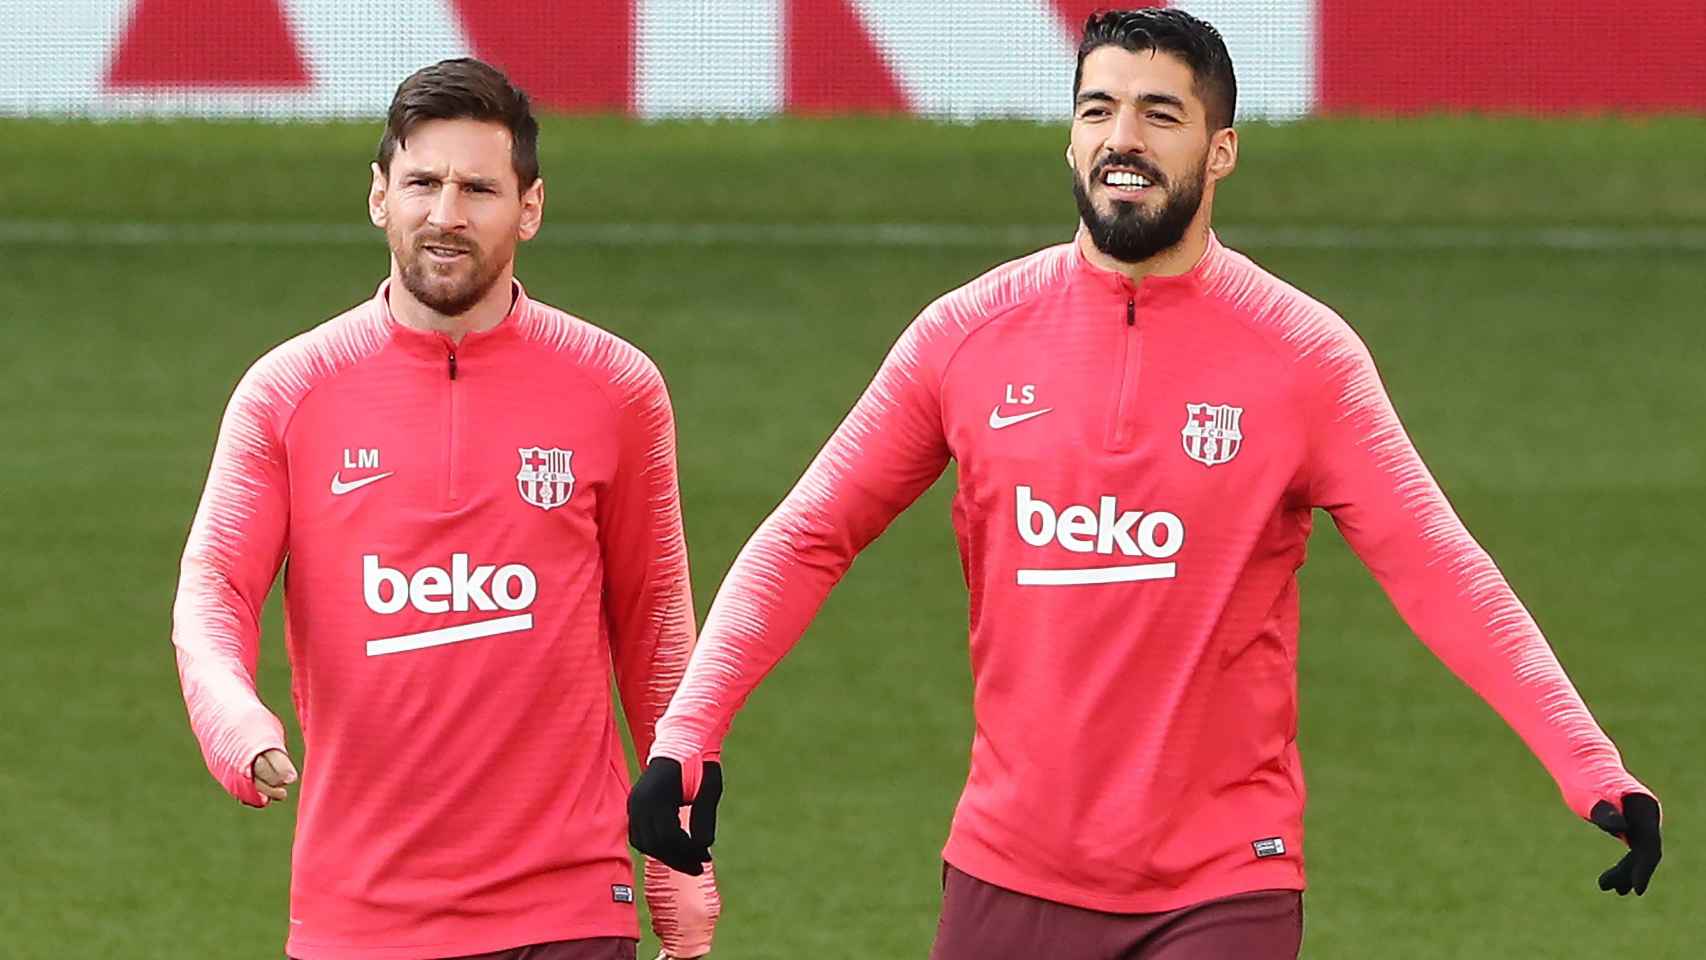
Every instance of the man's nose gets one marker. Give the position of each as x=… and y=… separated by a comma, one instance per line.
x=1127, y=133
x=446, y=212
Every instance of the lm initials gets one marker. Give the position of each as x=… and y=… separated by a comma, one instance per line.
x=364, y=459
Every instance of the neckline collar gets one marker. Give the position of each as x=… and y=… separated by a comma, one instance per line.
x=1190, y=280
x=435, y=344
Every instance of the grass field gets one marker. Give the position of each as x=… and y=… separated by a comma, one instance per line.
x=1552, y=379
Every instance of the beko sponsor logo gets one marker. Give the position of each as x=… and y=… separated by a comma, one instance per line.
x=1105, y=530
x=464, y=587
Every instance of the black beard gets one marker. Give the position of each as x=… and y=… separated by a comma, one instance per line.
x=1129, y=234
x=448, y=301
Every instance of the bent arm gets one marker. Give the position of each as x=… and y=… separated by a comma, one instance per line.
x=235, y=546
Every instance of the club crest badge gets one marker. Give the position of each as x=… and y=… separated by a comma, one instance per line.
x=545, y=479
x=1211, y=433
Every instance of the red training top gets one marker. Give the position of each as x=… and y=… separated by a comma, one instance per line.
x=476, y=534
x=1138, y=465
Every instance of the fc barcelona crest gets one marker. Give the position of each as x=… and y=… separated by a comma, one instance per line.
x=1211, y=433
x=544, y=479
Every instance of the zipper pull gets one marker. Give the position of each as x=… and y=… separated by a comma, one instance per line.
x=1130, y=320
x=453, y=364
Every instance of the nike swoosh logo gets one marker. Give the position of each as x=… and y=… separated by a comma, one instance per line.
x=339, y=488
x=997, y=421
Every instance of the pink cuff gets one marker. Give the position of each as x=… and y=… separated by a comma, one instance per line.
x=684, y=909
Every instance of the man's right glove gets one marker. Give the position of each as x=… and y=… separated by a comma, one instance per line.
x=654, y=815
x=1638, y=825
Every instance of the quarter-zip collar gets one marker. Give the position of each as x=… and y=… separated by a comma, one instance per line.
x=435, y=346
x=1154, y=286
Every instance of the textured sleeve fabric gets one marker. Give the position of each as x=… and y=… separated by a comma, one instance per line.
x=887, y=452
x=648, y=599
x=684, y=909
x=649, y=607
x=236, y=544
x=1366, y=473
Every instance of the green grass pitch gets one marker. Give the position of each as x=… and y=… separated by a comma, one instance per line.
x=1556, y=392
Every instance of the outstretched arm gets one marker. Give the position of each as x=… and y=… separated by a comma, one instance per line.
x=1367, y=474
x=887, y=452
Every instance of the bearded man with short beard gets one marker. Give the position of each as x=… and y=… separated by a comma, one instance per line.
x=1144, y=422
x=476, y=496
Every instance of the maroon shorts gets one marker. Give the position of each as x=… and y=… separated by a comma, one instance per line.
x=986, y=922
x=600, y=948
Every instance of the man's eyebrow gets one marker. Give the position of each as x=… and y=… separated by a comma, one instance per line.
x=1150, y=99
x=423, y=173
x=1162, y=100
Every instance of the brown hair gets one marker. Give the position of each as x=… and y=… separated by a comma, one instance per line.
x=463, y=88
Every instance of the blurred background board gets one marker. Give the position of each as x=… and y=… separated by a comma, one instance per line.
x=1530, y=286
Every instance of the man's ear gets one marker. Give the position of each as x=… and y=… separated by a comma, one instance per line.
x=1222, y=154
x=1070, y=163
x=532, y=208
x=376, y=197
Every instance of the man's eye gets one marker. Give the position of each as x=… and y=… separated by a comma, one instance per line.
x=1164, y=117
x=1094, y=112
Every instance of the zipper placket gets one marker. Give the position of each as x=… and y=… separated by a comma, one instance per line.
x=1124, y=433
x=450, y=430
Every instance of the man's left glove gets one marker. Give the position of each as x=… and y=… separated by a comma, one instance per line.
x=1638, y=825
x=654, y=815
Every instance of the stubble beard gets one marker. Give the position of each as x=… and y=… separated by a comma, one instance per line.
x=451, y=292
x=1131, y=234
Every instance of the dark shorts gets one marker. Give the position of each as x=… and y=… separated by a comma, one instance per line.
x=602, y=948
x=599, y=948
x=986, y=922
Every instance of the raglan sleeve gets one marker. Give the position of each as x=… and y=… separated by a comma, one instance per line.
x=648, y=602
x=887, y=451
x=236, y=543
x=1365, y=472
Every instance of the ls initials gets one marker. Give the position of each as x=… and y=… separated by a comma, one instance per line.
x=1027, y=394
x=364, y=459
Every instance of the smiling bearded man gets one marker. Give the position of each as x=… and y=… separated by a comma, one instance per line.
x=1131, y=231
x=1144, y=422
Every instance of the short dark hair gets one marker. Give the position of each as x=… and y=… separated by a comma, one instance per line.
x=463, y=89
x=1167, y=30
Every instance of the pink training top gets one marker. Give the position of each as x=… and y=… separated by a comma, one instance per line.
x=1138, y=464
x=476, y=534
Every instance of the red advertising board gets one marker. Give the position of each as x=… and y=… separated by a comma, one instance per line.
x=1529, y=56
x=958, y=59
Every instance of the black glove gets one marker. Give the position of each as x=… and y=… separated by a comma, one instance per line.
x=654, y=815
x=1639, y=825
